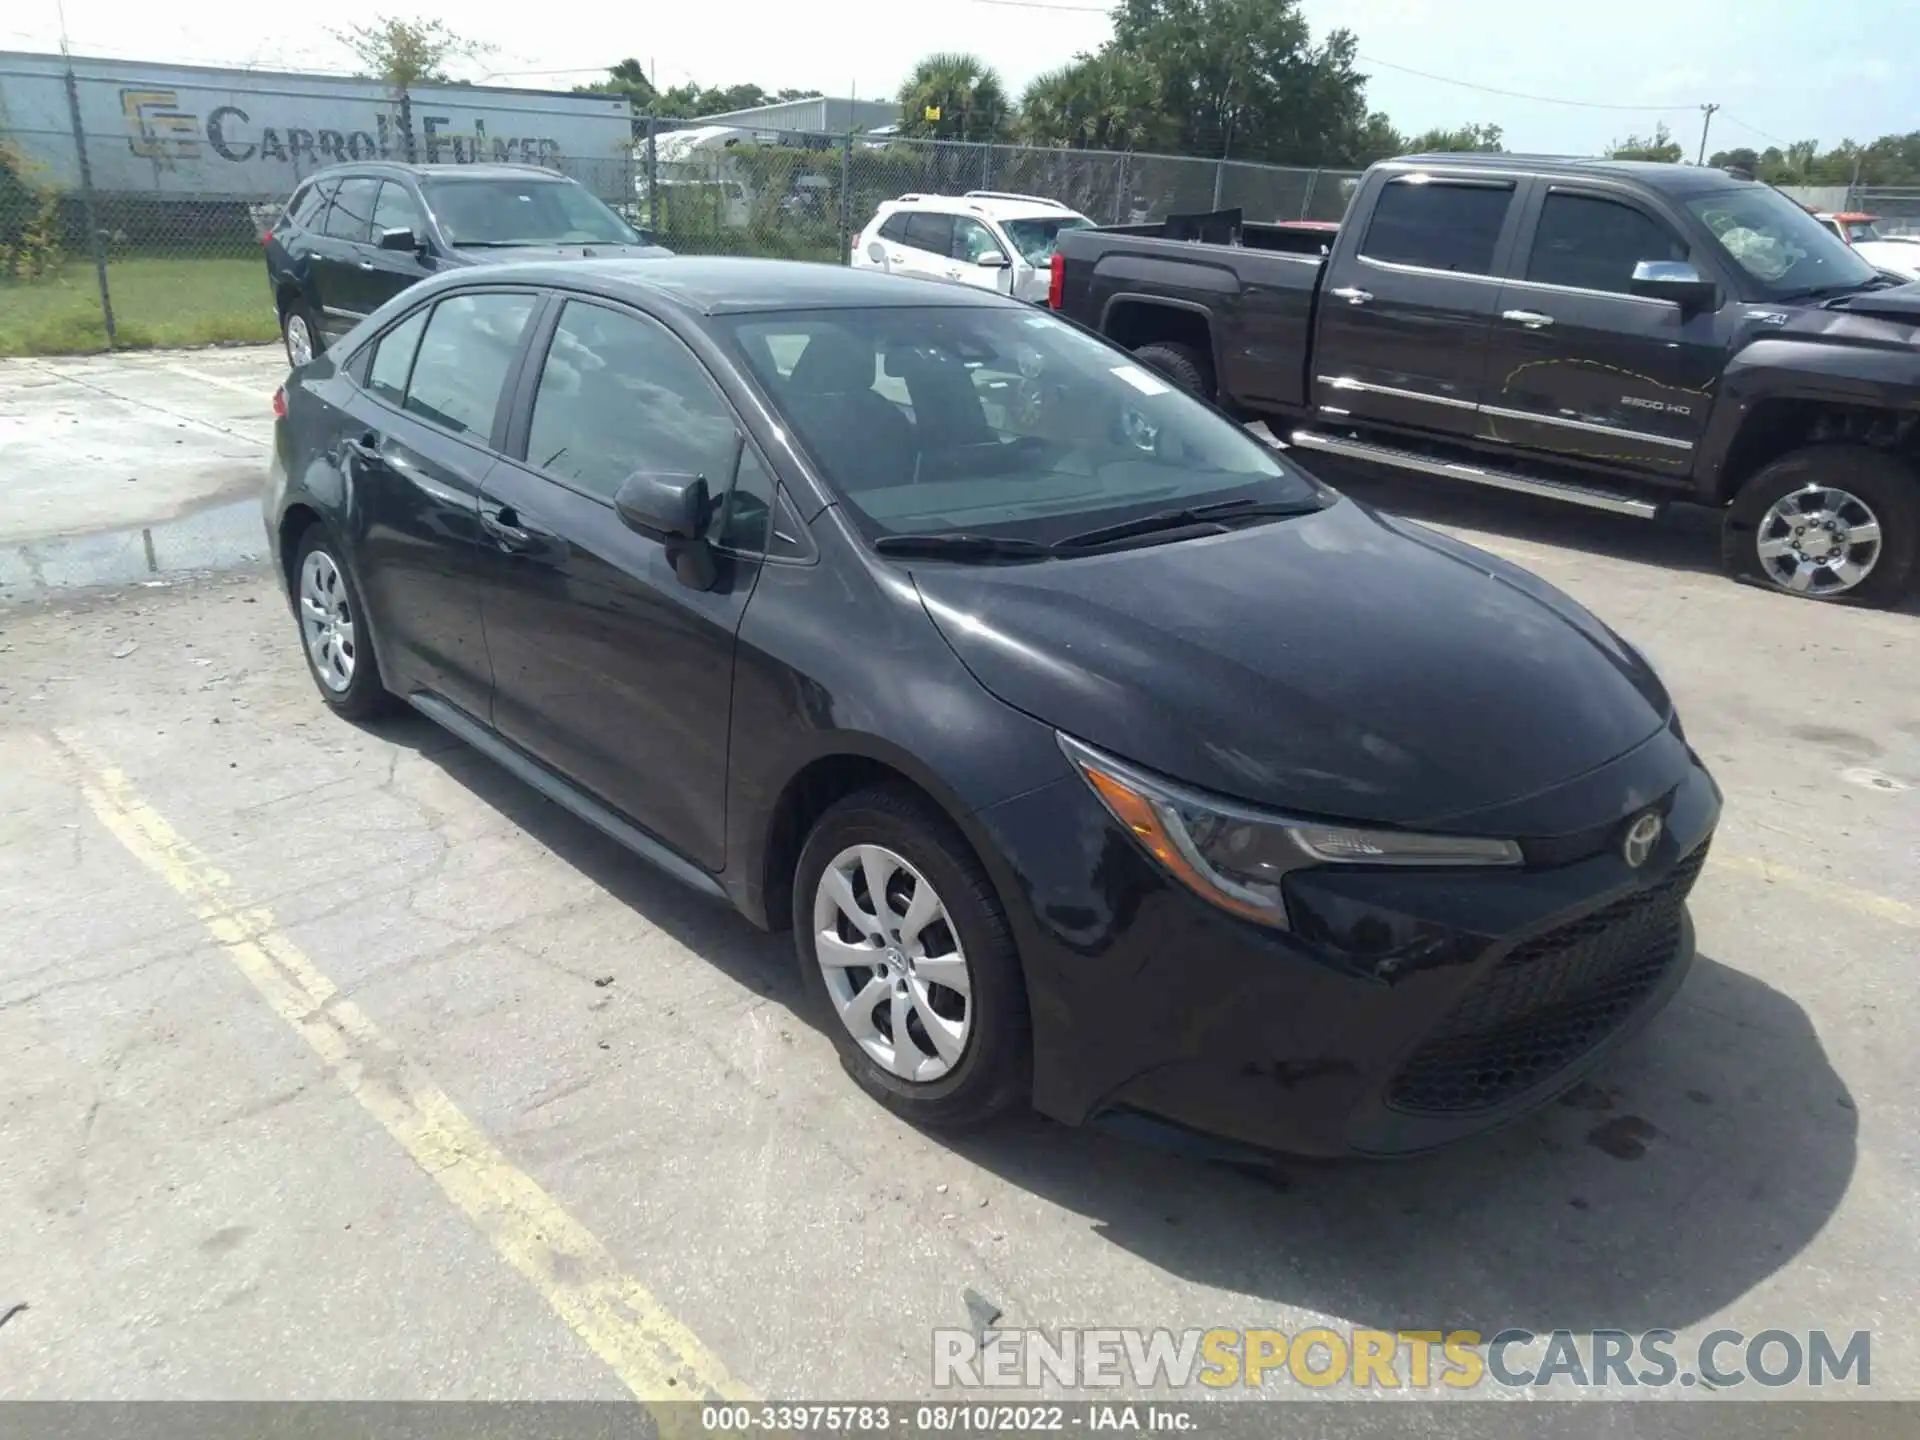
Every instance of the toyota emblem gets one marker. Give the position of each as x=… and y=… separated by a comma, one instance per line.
x=1642, y=836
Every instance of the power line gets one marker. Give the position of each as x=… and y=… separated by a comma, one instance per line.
x=1047, y=5
x=1763, y=134
x=1488, y=89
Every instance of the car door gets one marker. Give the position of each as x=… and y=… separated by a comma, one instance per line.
x=887, y=249
x=606, y=666
x=340, y=254
x=974, y=250
x=1405, y=310
x=427, y=420
x=928, y=251
x=1578, y=365
x=385, y=273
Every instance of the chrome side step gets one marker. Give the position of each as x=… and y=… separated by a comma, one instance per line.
x=1453, y=470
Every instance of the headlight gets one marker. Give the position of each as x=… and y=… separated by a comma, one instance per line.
x=1236, y=857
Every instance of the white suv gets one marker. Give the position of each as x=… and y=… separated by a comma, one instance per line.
x=985, y=238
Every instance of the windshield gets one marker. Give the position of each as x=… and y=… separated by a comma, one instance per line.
x=999, y=422
x=1779, y=244
x=1035, y=239
x=524, y=212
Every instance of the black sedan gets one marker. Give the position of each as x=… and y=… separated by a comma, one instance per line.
x=1097, y=754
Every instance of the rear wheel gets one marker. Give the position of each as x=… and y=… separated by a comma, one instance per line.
x=1829, y=522
x=301, y=333
x=333, y=631
x=903, y=944
x=1182, y=364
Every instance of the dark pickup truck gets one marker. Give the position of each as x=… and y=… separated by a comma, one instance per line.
x=1608, y=333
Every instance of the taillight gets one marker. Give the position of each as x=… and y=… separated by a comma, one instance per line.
x=280, y=403
x=1056, y=280
x=266, y=237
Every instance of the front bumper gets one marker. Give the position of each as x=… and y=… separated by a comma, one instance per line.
x=1404, y=1009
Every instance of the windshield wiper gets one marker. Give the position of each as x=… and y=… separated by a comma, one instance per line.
x=1215, y=516
x=962, y=546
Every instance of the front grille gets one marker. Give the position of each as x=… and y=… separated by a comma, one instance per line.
x=1548, y=1001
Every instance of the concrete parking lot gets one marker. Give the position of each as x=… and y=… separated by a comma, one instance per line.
x=338, y=1064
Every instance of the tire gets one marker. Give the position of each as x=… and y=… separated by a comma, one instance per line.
x=992, y=1070
x=1182, y=364
x=1881, y=488
x=298, y=316
x=345, y=672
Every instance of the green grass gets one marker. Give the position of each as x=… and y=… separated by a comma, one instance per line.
x=156, y=301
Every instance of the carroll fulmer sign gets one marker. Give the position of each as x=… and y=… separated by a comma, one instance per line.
x=189, y=131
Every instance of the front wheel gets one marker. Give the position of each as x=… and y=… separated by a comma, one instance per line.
x=903, y=945
x=1828, y=522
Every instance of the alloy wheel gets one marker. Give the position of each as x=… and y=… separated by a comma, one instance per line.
x=1818, y=540
x=893, y=963
x=326, y=621
x=299, y=340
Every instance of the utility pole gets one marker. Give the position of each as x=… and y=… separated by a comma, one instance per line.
x=1706, y=124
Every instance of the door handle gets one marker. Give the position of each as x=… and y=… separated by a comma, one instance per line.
x=366, y=265
x=367, y=448
x=1532, y=319
x=503, y=523
x=1353, y=295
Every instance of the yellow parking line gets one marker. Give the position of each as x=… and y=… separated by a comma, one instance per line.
x=1881, y=907
x=656, y=1356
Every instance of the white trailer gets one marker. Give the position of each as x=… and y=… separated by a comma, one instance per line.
x=201, y=133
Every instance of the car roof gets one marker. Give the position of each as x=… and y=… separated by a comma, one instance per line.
x=992, y=204
x=493, y=171
x=1654, y=174
x=732, y=285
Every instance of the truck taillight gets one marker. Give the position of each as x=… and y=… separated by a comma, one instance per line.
x=1056, y=280
x=266, y=237
x=280, y=403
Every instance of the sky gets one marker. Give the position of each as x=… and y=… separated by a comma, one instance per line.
x=1583, y=72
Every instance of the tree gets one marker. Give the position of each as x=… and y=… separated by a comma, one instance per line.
x=1482, y=138
x=964, y=91
x=1659, y=146
x=405, y=53
x=628, y=78
x=1109, y=101
x=1737, y=159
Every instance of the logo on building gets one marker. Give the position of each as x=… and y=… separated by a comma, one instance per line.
x=157, y=128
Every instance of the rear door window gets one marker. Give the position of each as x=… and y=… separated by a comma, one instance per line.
x=927, y=231
x=1438, y=225
x=393, y=358
x=464, y=358
x=352, y=210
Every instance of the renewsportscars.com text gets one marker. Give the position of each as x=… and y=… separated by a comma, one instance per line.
x=1214, y=1360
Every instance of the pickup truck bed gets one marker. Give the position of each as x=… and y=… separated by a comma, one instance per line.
x=1610, y=334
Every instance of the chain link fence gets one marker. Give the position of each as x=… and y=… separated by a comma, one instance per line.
x=1897, y=206
x=100, y=252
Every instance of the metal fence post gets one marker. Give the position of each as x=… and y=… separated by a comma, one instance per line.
x=86, y=208
x=653, y=175
x=1219, y=181
x=846, y=198
x=1306, y=200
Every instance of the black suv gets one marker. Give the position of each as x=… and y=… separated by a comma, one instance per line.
x=354, y=236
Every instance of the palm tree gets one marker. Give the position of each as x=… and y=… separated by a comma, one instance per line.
x=1108, y=101
x=966, y=92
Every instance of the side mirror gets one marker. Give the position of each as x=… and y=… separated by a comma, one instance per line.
x=993, y=260
x=672, y=508
x=400, y=239
x=1675, y=280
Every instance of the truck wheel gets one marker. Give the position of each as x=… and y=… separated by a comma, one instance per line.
x=1829, y=522
x=1182, y=364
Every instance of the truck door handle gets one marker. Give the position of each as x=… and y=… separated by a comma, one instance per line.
x=1353, y=295
x=1532, y=319
x=366, y=265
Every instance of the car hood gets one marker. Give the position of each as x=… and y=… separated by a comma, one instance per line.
x=1340, y=664
x=1899, y=302
x=510, y=254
